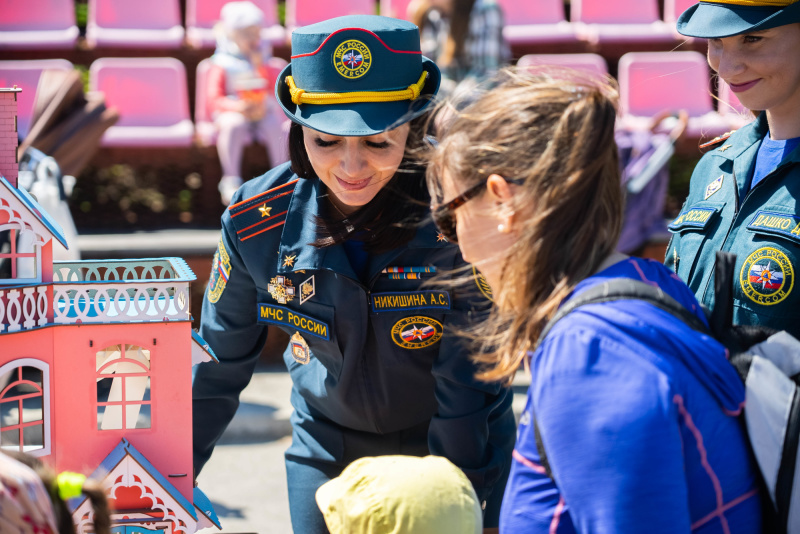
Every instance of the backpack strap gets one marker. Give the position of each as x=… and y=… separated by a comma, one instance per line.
x=616, y=289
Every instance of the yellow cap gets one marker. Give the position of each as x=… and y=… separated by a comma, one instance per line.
x=400, y=495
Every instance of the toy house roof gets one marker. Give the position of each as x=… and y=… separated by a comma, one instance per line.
x=20, y=200
x=203, y=504
x=126, y=448
x=201, y=351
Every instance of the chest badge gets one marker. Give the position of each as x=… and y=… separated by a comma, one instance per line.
x=416, y=332
x=767, y=276
x=307, y=290
x=714, y=186
x=281, y=289
x=300, y=351
x=220, y=272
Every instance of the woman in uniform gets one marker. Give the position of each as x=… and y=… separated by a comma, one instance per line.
x=743, y=194
x=631, y=419
x=332, y=249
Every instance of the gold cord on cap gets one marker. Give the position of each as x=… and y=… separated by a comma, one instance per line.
x=299, y=96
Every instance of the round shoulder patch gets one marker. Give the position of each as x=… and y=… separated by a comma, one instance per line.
x=352, y=59
x=482, y=284
x=416, y=332
x=767, y=276
x=220, y=272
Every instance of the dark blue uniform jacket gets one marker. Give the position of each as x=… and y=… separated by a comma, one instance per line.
x=373, y=356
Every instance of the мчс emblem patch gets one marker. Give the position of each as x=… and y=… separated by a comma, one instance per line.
x=767, y=276
x=300, y=351
x=220, y=272
x=482, y=284
x=416, y=332
x=352, y=59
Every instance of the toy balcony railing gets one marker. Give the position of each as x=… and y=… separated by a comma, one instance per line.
x=121, y=291
x=104, y=291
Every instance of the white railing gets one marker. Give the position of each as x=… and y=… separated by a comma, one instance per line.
x=23, y=308
x=114, y=291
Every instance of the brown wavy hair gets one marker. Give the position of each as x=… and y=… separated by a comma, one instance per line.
x=553, y=131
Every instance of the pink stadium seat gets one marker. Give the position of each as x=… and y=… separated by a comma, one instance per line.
x=592, y=63
x=203, y=123
x=201, y=15
x=651, y=82
x=394, y=8
x=134, y=23
x=37, y=24
x=151, y=96
x=536, y=22
x=304, y=12
x=729, y=107
x=620, y=21
x=25, y=75
x=674, y=8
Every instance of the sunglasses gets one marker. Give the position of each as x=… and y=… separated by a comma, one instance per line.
x=444, y=216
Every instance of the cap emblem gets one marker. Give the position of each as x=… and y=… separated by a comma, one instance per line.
x=352, y=59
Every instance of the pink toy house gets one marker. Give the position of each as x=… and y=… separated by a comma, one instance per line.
x=95, y=365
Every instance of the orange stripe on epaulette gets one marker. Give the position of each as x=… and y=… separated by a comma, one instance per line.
x=717, y=140
x=258, y=196
x=259, y=203
x=262, y=231
x=259, y=223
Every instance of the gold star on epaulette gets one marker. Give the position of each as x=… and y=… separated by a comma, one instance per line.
x=440, y=237
x=724, y=148
x=288, y=261
x=264, y=210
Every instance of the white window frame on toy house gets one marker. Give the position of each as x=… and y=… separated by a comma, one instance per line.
x=43, y=391
x=31, y=245
x=129, y=370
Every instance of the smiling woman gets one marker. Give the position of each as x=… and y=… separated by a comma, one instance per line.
x=333, y=248
x=752, y=176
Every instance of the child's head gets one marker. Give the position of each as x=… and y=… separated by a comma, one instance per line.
x=57, y=489
x=242, y=23
x=400, y=495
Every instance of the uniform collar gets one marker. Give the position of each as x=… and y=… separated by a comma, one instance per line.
x=301, y=229
x=742, y=139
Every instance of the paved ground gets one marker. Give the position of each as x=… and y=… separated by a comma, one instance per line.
x=246, y=478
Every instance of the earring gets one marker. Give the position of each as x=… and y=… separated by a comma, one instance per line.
x=501, y=228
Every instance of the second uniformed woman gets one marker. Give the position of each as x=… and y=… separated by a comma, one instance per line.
x=743, y=194
x=325, y=248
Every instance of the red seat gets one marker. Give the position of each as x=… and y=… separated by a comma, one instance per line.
x=620, y=21
x=25, y=74
x=203, y=123
x=37, y=24
x=394, y=8
x=651, y=82
x=592, y=63
x=151, y=96
x=201, y=15
x=305, y=12
x=134, y=23
x=536, y=22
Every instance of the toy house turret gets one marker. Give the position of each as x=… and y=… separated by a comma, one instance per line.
x=95, y=365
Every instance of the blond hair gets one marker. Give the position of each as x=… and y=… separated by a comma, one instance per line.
x=554, y=133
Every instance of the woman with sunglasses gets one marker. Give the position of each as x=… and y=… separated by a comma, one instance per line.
x=744, y=191
x=630, y=423
x=333, y=249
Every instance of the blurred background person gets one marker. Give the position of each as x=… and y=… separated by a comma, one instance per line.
x=238, y=87
x=463, y=37
x=631, y=417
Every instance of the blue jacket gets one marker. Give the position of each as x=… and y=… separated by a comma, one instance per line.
x=372, y=356
x=760, y=225
x=637, y=414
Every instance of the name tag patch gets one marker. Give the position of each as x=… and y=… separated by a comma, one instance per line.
x=414, y=300
x=268, y=313
x=776, y=223
x=693, y=218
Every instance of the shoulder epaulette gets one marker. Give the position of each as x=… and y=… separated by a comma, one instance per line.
x=262, y=212
x=717, y=140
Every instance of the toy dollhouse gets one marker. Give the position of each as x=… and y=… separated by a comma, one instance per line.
x=95, y=365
